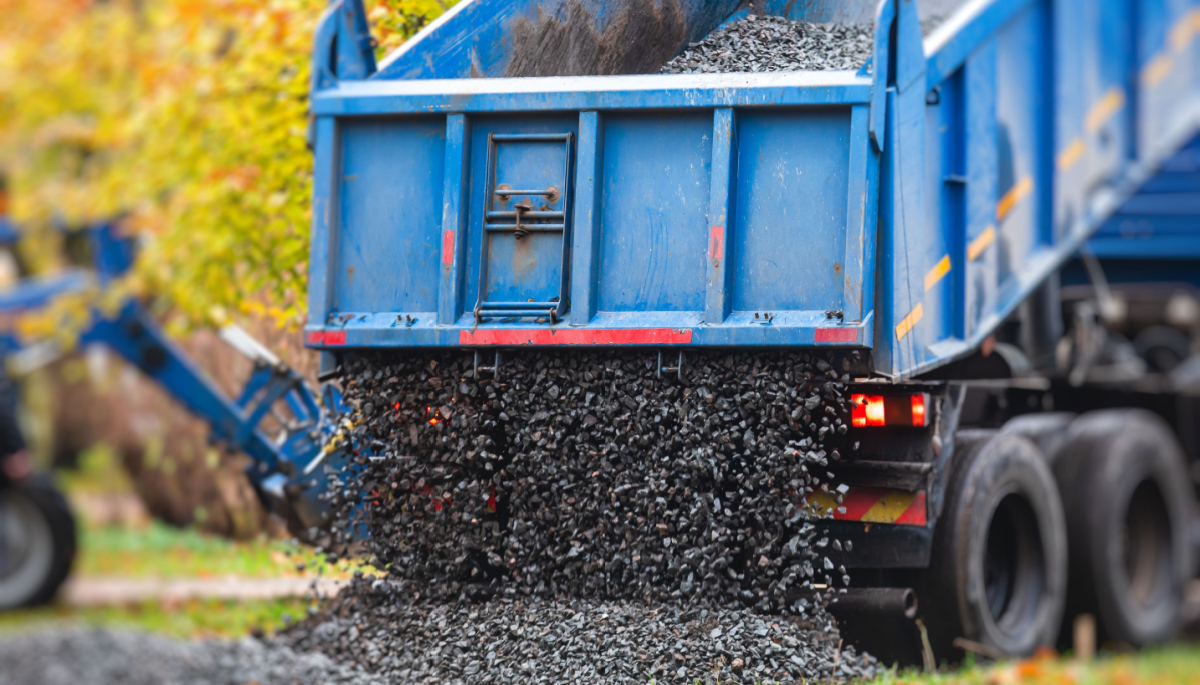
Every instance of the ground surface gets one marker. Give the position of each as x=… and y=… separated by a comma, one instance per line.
x=205, y=640
x=79, y=656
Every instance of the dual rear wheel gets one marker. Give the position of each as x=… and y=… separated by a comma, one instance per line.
x=1027, y=540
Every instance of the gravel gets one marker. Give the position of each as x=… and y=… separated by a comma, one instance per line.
x=757, y=44
x=586, y=475
x=580, y=516
x=79, y=656
x=538, y=641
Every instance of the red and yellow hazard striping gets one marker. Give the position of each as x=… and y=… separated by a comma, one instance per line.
x=873, y=505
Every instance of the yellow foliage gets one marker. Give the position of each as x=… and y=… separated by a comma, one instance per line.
x=187, y=116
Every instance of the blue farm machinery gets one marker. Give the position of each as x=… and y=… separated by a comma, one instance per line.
x=282, y=423
x=932, y=321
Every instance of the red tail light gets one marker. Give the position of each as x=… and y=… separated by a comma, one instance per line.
x=867, y=411
x=889, y=410
x=918, y=410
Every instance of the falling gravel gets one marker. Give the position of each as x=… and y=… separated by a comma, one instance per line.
x=78, y=656
x=592, y=492
x=592, y=475
x=759, y=44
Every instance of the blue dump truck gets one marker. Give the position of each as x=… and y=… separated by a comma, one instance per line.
x=992, y=226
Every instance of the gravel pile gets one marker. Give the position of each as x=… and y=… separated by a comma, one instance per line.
x=756, y=44
x=539, y=641
x=78, y=656
x=578, y=515
x=586, y=475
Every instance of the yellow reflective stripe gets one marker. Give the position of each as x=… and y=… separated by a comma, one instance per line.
x=909, y=321
x=1014, y=195
x=1184, y=30
x=1178, y=39
x=1102, y=111
x=1071, y=154
x=890, y=507
x=982, y=242
x=1157, y=69
x=937, y=272
x=821, y=502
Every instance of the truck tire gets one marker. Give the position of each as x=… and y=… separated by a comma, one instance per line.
x=999, y=567
x=1047, y=430
x=1128, y=503
x=37, y=543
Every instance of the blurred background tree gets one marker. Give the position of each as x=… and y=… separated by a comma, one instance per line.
x=189, y=119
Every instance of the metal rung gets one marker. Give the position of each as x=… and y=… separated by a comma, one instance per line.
x=502, y=192
x=531, y=214
x=531, y=228
x=517, y=305
x=516, y=313
x=531, y=136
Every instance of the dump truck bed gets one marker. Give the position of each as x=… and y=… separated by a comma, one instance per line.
x=956, y=172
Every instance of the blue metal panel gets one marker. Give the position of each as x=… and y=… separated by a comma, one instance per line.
x=388, y=239
x=979, y=76
x=1168, y=72
x=988, y=154
x=861, y=219
x=322, y=256
x=782, y=88
x=1162, y=221
x=720, y=255
x=454, y=234
x=790, y=238
x=654, y=226
x=1020, y=139
x=532, y=269
x=585, y=240
x=1093, y=48
x=529, y=268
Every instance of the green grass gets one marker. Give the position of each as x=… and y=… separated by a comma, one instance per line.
x=163, y=551
x=1173, y=665
x=190, y=619
x=157, y=550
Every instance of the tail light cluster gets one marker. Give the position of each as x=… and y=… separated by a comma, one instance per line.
x=889, y=410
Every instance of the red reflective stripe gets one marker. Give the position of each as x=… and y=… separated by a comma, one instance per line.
x=542, y=336
x=716, y=242
x=914, y=515
x=837, y=335
x=447, y=247
x=335, y=337
x=857, y=502
x=314, y=337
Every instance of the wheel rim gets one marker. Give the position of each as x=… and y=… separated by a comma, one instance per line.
x=26, y=549
x=1146, y=548
x=1014, y=573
